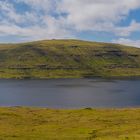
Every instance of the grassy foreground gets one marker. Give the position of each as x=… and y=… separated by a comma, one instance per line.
x=84, y=124
x=68, y=59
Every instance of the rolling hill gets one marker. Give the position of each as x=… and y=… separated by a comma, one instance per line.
x=68, y=59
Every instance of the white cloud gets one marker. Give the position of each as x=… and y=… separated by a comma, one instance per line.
x=8, y=11
x=34, y=32
x=97, y=14
x=37, y=26
x=129, y=42
x=45, y=5
x=10, y=14
x=126, y=31
x=64, y=18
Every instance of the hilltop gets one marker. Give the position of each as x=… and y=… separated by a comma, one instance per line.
x=68, y=59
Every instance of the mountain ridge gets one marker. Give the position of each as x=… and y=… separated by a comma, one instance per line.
x=68, y=58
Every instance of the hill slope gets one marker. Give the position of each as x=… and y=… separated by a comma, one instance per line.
x=68, y=59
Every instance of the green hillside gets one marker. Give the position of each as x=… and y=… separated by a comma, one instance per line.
x=68, y=59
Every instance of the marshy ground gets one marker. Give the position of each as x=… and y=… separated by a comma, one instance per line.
x=19, y=123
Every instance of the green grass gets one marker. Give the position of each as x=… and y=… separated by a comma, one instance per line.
x=68, y=59
x=83, y=124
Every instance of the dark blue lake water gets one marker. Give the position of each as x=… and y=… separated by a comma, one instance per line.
x=70, y=93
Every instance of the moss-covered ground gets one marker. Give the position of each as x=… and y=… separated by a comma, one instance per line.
x=19, y=123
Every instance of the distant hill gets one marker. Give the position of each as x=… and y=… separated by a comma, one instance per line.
x=68, y=59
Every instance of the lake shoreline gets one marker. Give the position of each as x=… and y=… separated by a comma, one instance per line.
x=92, y=77
x=72, y=109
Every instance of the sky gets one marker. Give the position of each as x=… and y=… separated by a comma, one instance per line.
x=95, y=20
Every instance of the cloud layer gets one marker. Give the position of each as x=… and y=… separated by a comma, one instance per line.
x=128, y=42
x=46, y=19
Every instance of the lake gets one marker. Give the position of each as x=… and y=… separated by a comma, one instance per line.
x=70, y=93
